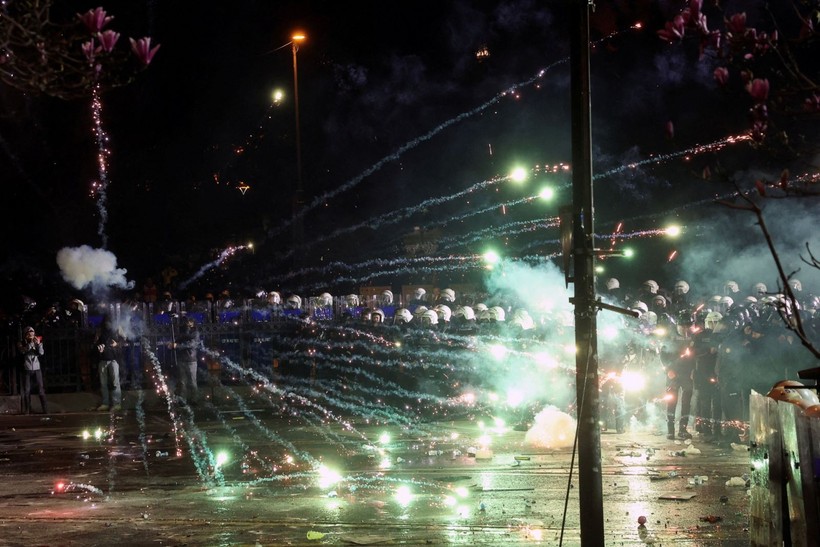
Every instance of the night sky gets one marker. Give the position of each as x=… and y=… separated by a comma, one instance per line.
x=397, y=110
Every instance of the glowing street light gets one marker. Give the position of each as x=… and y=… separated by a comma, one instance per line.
x=295, y=40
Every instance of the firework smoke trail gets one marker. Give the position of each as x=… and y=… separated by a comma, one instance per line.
x=100, y=187
x=224, y=255
x=412, y=144
x=112, y=457
x=239, y=441
x=198, y=443
x=163, y=390
x=513, y=228
x=139, y=411
x=412, y=266
x=266, y=385
x=695, y=150
x=401, y=214
x=257, y=423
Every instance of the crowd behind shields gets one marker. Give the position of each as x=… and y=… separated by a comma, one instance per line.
x=711, y=350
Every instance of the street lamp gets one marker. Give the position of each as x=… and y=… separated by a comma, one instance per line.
x=295, y=40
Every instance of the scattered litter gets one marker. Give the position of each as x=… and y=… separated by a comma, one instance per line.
x=367, y=540
x=740, y=447
x=435, y=452
x=660, y=476
x=641, y=520
x=484, y=454
x=161, y=454
x=678, y=453
x=711, y=519
x=681, y=496
x=693, y=451
x=736, y=481
x=698, y=479
x=521, y=458
x=312, y=534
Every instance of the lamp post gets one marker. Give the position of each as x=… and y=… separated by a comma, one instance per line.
x=298, y=198
x=297, y=39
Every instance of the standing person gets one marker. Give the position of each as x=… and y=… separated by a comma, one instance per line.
x=678, y=359
x=108, y=346
x=31, y=348
x=186, y=347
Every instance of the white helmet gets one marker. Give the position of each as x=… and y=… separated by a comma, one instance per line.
x=638, y=305
x=294, y=302
x=681, y=287
x=419, y=294
x=403, y=316
x=712, y=319
x=727, y=302
x=448, y=295
x=659, y=301
x=387, y=297
x=480, y=307
x=497, y=313
x=522, y=319
x=465, y=312
x=420, y=311
x=651, y=285
x=352, y=300
x=377, y=316
x=444, y=312
x=612, y=283
x=796, y=285
x=751, y=299
x=731, y=287
x=325, y=299
x=759, y=289
x=274, y=297
x=649, y=318
x=429, y=318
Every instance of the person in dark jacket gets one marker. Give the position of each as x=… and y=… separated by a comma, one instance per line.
x=186, y=346
x=108, y=347
x=31, y=348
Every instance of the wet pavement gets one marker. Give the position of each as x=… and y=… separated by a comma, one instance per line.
x=154, y=474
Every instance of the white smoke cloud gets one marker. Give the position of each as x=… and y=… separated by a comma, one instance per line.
x=551, y=429
x=85, y=266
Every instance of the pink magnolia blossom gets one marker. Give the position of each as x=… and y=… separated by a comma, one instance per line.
x=812, y=104
x=721, y=75
x=760, y=187
x=736, y=24
x=94, y=20
x=758, y=89
x=90, y=50
x=142, y=49
x=669, y=130
x=673, y=30
x=759, y=130
x=108, y=39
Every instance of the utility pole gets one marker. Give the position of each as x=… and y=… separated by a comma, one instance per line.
x=586, y=340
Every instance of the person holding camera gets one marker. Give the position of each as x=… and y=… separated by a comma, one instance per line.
x=31, y=348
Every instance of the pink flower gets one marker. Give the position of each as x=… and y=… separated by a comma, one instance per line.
x=721, y=75
x=736, y=24
x=90, y=50
x=108, y=39
x=673, y=30
x=758, y=89
x=760, y=187
x=94, y=20
x=142, y=49
x=812, y=104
